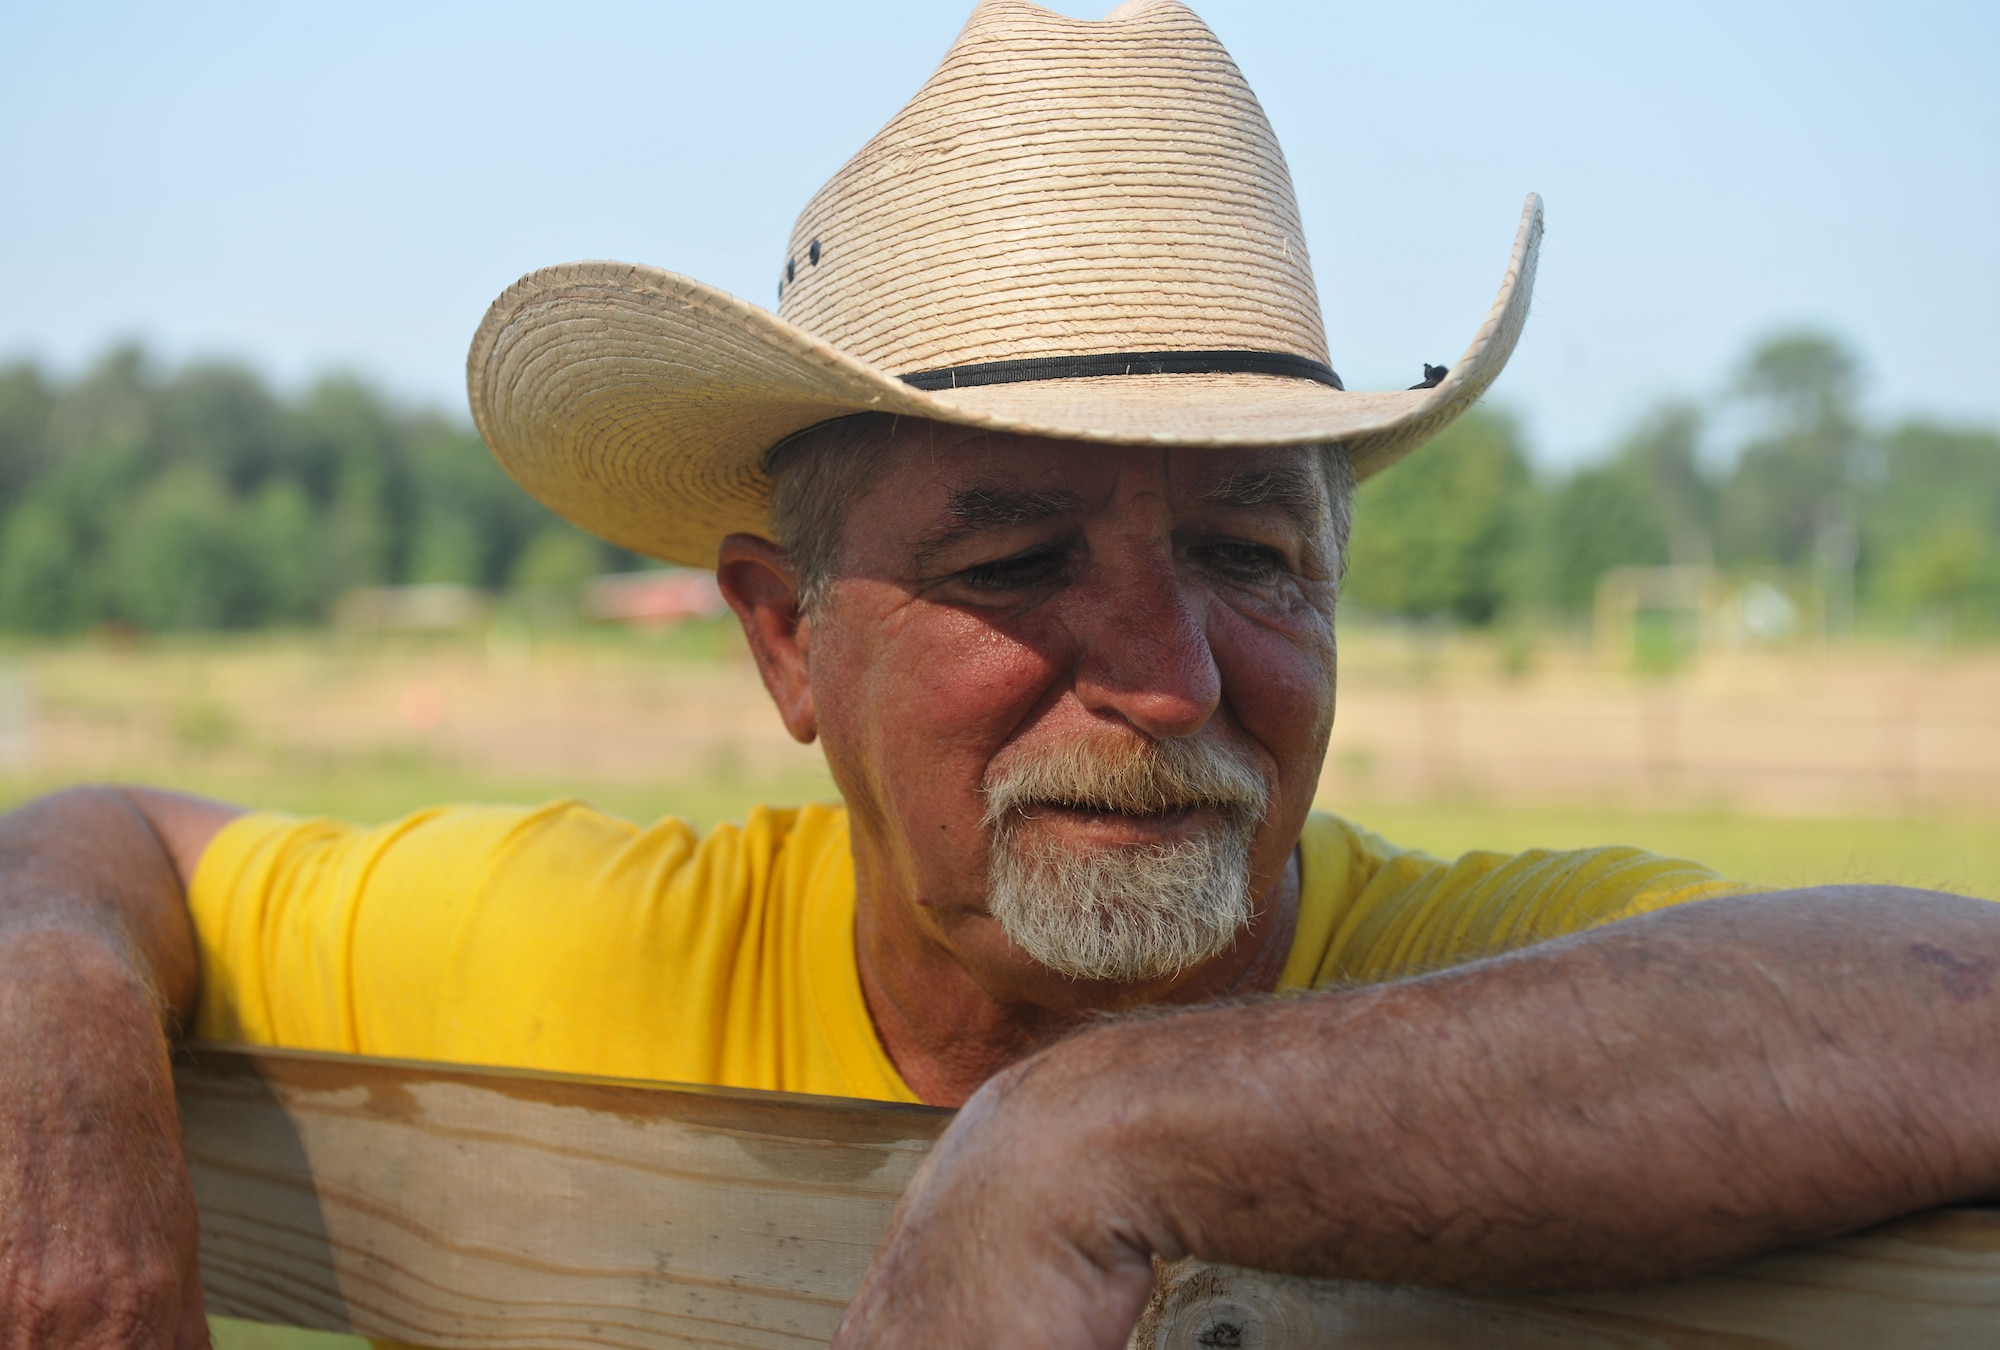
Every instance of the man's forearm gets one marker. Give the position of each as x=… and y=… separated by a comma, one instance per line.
x=1645, y=1100
x=97, y=964
x=86, y=868
x=1642, y=1101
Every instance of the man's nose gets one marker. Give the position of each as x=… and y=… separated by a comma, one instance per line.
x=1145, y=654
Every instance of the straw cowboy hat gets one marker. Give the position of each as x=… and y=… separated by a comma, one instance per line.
x=1076, y=229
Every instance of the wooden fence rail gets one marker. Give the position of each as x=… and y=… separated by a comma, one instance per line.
x=457, y=1207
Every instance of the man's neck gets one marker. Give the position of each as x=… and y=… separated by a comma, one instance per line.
x=947, y=1034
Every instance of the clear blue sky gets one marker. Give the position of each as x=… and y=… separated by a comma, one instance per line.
x=307, y=186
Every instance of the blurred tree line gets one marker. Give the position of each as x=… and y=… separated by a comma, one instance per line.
x=201, y=500
x=1885, y=527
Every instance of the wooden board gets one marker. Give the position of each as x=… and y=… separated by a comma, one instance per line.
x=460, y=1207
x=1930, y=1281
x=457, y=1207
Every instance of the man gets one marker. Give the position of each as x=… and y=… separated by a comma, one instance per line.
x=1031, y=501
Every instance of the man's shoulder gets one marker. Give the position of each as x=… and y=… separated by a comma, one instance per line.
x=462, y=826
x=1373, y=910
x=567, y=847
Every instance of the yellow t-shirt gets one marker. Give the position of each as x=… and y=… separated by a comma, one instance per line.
x=561, y=938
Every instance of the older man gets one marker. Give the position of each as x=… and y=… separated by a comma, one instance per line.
x=1031, y=501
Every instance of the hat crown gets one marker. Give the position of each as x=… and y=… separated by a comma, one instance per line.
x=1061, y=187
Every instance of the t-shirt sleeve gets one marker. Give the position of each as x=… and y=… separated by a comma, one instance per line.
x=1409, y=912
x=321, y=935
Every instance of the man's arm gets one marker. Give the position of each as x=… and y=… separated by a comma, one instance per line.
x=97, y=966
x=1634, y=1103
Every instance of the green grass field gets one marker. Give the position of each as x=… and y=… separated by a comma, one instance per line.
x=1944, y=852
x=232, y=1334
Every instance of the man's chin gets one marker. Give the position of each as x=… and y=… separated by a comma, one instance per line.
x=1138, y=910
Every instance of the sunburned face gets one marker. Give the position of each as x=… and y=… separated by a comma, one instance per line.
x=1039, y=658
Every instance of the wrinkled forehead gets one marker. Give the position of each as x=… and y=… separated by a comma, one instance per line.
x=946, y=471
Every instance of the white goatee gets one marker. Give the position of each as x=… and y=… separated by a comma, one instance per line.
x=1128, y=913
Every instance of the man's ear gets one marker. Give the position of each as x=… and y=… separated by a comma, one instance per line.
x=759, y=582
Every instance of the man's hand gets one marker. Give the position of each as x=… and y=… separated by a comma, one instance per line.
x=97, y=1219
x=1017, y=1232
x=97, y=961
x=1648, y=1100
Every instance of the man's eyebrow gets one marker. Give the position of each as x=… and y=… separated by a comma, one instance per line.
x=1296, y=492
x=976, y=510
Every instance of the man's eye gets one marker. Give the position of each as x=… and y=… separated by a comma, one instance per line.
x=1036, y=567
x=1241, y=561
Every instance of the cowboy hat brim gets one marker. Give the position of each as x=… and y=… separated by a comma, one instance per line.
x=640, y=405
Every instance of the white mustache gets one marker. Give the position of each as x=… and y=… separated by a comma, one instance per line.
x=1133, y=776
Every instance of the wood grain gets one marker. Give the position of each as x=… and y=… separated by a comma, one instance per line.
x=1928, y=1281
x=458, y=1207
x=461, y=1207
